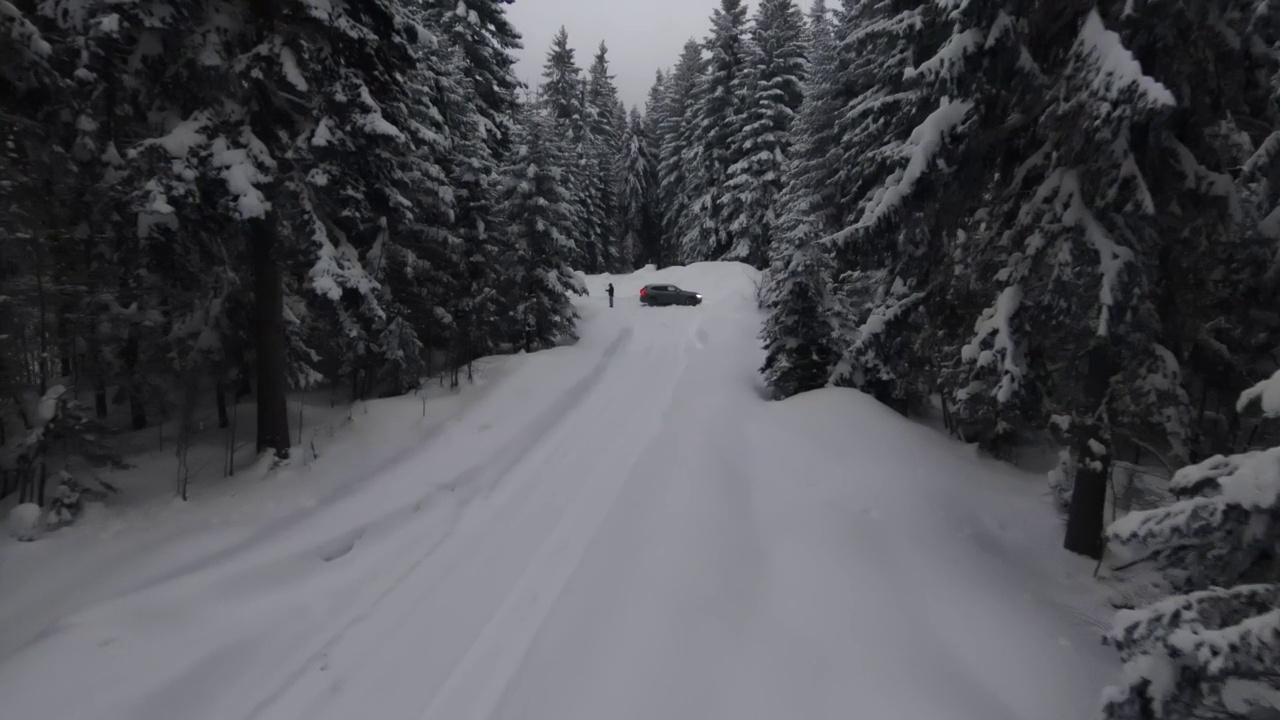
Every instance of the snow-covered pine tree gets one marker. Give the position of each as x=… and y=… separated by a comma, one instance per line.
x=35, y=120
x=679, y=152
x=1094, y=318
x=638, y=174
x=380, y=207
x=536, y=212
x=924, y=134
x=562, y=97
x=156, y=296
x=602, y=144
x=480, y=312
x=1212, y=649
x=487, y=40
x=797, y=332
x=890, y=134
x=561, y=90
x=655, y=119
x=775, y=68
x=311, y=151
x=720, y=117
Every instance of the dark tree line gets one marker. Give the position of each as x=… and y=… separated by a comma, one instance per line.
x=239, y=199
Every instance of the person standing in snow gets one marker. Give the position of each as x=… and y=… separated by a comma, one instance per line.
x=610, y=291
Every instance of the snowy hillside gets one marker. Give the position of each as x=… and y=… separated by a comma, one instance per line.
x=621, y=528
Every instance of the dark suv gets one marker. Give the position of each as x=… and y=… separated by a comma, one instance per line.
x=668, y=295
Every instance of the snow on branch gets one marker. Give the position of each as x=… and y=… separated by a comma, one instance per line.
x=1225, y=523
x=1266, y=393
x=949, y=58
x=1063, y=186
x=22, y=32
x=996, y=325
x=1206, y=654
x=1116, y=70
x=242, y=176
x=926, y=140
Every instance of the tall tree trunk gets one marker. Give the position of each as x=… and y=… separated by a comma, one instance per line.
x=244, y=387
x=137, y=409
x=44, y=331
x=1092, y=448
x=220, y=395
x=100, y=398
x=268, y=290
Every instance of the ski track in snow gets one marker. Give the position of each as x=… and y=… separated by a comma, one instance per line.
x=643, y=538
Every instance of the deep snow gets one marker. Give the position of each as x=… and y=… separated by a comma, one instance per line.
x=622, y=528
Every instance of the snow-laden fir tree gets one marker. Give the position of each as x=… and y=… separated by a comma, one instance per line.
x=386, y=207
x=561, y=91
x=720, y=117
x=602, y=142
x=772, y=80
x=479, y=310
x=481, y=31
x=326, y=162
x=655, y=119
x=797, y=333
x=562, y=97
x=1086, y=330
x=680, y=169
x=891, y=133
x=539, y=222
x=638, y=175
x=1212, y=650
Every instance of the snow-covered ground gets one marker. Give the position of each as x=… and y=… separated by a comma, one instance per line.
x=617, y=529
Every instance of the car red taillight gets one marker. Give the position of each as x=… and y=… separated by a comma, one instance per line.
x=641, y=292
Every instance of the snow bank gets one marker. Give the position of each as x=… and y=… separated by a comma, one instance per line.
x=24, y=522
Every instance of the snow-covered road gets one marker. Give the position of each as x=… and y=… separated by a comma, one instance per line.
x=622, y=529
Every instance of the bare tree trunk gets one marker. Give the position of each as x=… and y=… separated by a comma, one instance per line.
x=44, y=331
x=220, y=396
x=245, y=388
x=231, y=442
x=186, y=429
x=137, y=408
x=268, y=286
x=44, y=481
x=1092, y=448
x=100, y=407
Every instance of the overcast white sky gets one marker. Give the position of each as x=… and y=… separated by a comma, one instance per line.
x=642, y=35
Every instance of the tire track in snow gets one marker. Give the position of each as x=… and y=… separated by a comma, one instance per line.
x=477, y=686
x=479, y=479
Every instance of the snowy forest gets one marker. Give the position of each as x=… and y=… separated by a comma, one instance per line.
x=1050, y=224
x=231, y=199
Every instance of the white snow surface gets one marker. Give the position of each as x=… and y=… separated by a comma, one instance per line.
x=1266, y=393
x=1116, y=67
x=622, y=528
x=24, y=521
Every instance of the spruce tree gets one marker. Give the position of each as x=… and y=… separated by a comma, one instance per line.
x=720, y=117
x=797, y=333
x=487, y=40
x=1212, y=647
x=679, y=152
x=775, y=71
x=602, y=142
x=535, y=209
x=637, y=170
x=561, y=92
